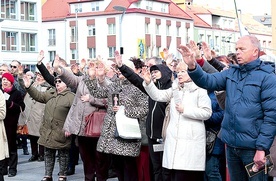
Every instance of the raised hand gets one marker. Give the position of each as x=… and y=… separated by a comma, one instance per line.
x=27, y=81
x=56, y=62
x=91, y=70
x=40, y=57
x=146, y=75
x=20, y=70
x=187, y=56
x=100, y=71
x=82, y=63
x=195, y=49
x=166, y=53
x=118, y=58
x=207, y=51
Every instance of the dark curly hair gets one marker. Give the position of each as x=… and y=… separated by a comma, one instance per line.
x=137, y=62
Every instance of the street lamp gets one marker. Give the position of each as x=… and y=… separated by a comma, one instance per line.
x=123, y=9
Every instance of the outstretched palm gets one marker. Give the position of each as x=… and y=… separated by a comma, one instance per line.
x=187, y=55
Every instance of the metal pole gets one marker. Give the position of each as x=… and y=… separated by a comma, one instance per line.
x=239, y=23
x=77, y=47
x=120, y=32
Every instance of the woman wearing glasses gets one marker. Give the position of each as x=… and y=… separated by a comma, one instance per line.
x=58, y=102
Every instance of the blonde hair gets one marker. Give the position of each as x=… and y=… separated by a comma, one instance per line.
x=181, y=66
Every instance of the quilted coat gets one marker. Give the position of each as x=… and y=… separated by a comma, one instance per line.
x=249, y=118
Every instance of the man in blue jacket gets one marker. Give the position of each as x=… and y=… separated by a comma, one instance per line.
x=249, y=123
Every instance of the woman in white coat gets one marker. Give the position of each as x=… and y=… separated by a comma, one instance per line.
x=4, y=151
x=184, y=146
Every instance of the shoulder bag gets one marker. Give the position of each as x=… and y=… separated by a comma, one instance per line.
x=127, y=128
x=211, y=136
x=94, y=123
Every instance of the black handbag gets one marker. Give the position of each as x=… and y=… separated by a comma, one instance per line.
x=211, y=136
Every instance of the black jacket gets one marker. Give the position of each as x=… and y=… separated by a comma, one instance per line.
x=156, y=112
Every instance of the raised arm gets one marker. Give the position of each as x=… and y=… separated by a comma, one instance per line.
x=43, y=70
x=134, y=78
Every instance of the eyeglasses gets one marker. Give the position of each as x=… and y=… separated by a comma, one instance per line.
x=13, y=66
x=57, y=81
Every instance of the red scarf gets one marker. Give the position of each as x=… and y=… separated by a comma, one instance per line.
x=7, y=90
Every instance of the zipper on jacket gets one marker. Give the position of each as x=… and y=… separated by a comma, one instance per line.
x=151, y=124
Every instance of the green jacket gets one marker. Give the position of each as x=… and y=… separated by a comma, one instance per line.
x=56, y=109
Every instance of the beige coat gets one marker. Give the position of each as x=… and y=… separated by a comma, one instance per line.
x=4, y=150
x=34, y=110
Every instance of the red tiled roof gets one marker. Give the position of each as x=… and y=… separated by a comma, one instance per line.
x=55, y=9
x=192, y=11
x=59, y=9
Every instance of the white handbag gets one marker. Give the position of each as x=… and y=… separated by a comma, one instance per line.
x=127, y=128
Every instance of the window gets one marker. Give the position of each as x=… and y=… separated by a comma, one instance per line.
x=146, y=28
x=177, y=31
x=111, y=51
x=28, y=42
x=8, y=9
x=9, y=41
x=157, y=29
x=95, y=6
x=92, y=52
x=111, y=29
x=52, y=55
x=78, y=8
x=52, y=37
x=200, y=37
x=157, y=51
x=168, y=30
x=91, y=30
x=74, y=54
x=163, y=8
x=149, y=5
x=209, y=39
x=216, y=40
x=74, y=36
x=187, y=35
x=28, y=11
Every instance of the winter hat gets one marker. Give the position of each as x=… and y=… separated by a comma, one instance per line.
x=154, y=67
x=8, y=76
x=30, y=74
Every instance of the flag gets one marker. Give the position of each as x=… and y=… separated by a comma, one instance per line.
x=243, y=29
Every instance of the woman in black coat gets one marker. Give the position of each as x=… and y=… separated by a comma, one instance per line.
x=14, y=101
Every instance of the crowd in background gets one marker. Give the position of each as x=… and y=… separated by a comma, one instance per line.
x=231, y=95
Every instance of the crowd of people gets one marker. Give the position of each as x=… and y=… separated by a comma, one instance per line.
x=229, y=97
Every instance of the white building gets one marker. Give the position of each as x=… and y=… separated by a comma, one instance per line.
x=85, y=29
x=20, y=31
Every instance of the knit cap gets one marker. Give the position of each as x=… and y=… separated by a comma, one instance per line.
x=9, y=77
